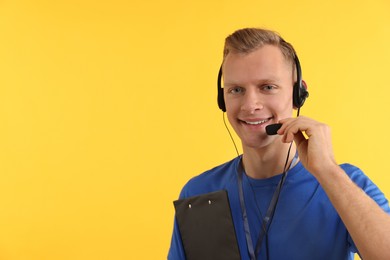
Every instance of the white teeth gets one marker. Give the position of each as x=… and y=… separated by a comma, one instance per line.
x=257, y=122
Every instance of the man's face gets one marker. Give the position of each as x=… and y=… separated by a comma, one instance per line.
x=258, y=92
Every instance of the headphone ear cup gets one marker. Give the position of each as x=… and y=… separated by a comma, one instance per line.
x=299, y=94
x=220, y=97
x=221, y=101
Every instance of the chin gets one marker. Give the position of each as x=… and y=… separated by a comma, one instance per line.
x=257, y=143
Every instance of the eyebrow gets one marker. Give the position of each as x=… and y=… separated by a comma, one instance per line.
x=273, y=80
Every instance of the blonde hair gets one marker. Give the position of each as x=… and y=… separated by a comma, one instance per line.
x=250, y=39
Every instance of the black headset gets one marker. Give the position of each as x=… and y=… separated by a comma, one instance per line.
x=299, y=90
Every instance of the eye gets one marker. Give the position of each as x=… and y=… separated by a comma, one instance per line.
x=236, y=90
x=268, y=87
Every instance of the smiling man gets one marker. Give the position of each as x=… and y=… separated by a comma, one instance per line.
x=303, y=206
x=258, y=89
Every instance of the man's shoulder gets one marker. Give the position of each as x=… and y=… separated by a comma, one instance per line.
x=355, y=174
x=216, y=178
x=366, y=184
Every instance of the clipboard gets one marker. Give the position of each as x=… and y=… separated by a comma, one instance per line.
x=206, y=227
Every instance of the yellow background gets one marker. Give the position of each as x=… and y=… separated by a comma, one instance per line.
x=107, y=108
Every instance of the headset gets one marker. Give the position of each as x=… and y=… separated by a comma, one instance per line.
x=299, y=96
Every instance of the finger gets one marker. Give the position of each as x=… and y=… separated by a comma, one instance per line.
x=291, y=135
x=299, y=138
x=285, y=124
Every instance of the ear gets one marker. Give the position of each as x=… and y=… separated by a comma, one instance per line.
x=304, y=84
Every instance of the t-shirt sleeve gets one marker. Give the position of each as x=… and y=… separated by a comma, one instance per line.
x=369, y=187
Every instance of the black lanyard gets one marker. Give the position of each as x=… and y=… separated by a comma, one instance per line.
x=270, y=212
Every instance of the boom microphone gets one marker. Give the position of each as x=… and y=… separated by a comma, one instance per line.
x=272, y=129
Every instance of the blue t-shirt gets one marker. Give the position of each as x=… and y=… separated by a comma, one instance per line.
x=305, y=224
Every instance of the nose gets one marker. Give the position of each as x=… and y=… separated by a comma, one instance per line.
x=251, y=102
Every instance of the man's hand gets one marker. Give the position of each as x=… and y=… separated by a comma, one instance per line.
x=315, y=149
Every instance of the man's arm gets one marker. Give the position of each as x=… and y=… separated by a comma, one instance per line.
x=367, y=223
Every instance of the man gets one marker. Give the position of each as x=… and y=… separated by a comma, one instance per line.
x=323, y=210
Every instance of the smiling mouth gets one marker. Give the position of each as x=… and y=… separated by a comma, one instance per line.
x=256, y=122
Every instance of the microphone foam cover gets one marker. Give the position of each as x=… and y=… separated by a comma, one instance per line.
x=272, y=129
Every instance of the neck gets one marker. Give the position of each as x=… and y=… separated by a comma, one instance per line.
x=267, y=162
